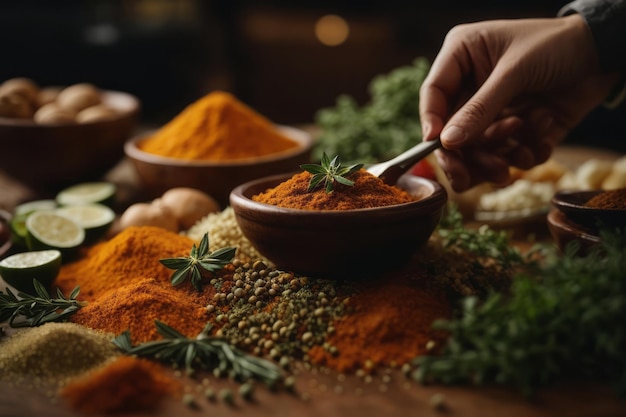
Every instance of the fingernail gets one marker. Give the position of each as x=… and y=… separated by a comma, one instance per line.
x=453, y=135
x=426, y=129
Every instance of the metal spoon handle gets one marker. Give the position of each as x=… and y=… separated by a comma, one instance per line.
x=391, y=170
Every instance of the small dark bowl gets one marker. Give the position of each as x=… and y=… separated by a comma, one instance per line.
x=564, y=231
x=5, y=233
x=347, y=244
x=217, y=178
x=572, y=205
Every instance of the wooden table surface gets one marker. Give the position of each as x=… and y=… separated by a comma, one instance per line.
x=328, y=394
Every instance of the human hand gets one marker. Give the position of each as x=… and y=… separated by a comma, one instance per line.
x=503, y=93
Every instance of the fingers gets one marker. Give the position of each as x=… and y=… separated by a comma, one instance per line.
x=471, y=167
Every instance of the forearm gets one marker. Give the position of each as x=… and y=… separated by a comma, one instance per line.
x=607, y=21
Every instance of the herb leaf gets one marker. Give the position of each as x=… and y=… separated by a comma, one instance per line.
x=37, y=309
x=204, y=352
x=329, y=172
x=199, y=258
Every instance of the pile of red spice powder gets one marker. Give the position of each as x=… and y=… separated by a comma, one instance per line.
x=388, y=322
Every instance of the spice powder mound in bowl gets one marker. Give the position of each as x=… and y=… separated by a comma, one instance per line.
x=343, y=243
x=215, y=144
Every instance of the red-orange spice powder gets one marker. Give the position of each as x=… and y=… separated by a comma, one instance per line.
x=128, y=384
x=368, y=191
x=388, y=322
x=610, y=199
x=131, y=254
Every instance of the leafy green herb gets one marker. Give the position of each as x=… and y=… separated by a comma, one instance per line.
x=204, y=352
x=198, y=259
x=484, y=243
x=565, y=321
x=382, y=128
x=37, y=309
x=329, y=172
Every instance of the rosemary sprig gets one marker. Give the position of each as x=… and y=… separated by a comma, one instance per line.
x=37, y=309
x=204, y=352
x=198, y=259
x=329, y=172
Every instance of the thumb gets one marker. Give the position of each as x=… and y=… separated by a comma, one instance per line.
x=475, y=116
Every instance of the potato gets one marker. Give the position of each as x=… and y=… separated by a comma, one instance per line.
x=147, y=214
x=53, y=114
x=22, y=86
x=188, y=205
x=95, y=113
x=78, y=97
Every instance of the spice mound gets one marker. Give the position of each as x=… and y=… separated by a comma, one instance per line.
x=125, y=384
x=611, y=200
x=53, y=353
x=217, y=127
x=368, y=191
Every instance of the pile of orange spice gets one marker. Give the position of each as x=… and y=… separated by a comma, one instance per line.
x=368, y=191
x=217, y=127
x=609, y=199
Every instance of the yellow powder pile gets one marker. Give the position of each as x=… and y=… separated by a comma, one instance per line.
x=217, y=127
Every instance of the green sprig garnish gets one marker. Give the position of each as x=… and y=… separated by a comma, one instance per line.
x=37, y=309
x=328, y=172
x=199, y=258
x=204, y=352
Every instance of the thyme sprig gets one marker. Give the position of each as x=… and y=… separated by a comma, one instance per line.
x=205, y=352
x=199, y=258
x=37, y=309
x=328, y=172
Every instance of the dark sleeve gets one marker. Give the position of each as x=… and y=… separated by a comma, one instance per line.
x=607, y=21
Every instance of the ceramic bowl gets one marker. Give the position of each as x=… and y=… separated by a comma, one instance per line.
x=44, y=156
x=158, y=174
x=572, y=204
x=339, y=244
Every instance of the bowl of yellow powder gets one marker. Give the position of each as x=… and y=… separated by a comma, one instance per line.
x=215, y=144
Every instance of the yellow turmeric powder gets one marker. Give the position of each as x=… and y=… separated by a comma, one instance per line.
x=217, y=127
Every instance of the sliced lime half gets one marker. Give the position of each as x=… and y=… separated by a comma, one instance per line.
x=95, y=218
x=50, y=230
x=19, y=270
x=87, y=193
x=34, y=205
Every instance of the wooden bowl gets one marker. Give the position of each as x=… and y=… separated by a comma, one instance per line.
x=564, y=231
x=44, y=156
x=350, y=244
x=572, y=205
x=158, y=174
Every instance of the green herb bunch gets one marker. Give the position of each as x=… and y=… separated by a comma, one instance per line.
x=26, y=310
x=567, y=321
x=202, y=353
x=483, y=243
x=200, y=258
x=329, y=172
x=382, y=128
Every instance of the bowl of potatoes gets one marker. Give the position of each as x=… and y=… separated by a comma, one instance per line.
x=53, y=136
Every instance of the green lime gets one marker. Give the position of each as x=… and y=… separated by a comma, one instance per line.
x=35, y=205
x=50, y=230
x=19, y=270
x=86, y=193
x=18, y=229
x=95, y=218
x=21, y=212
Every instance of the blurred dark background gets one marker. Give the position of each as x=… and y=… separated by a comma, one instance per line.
x=171, y=52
